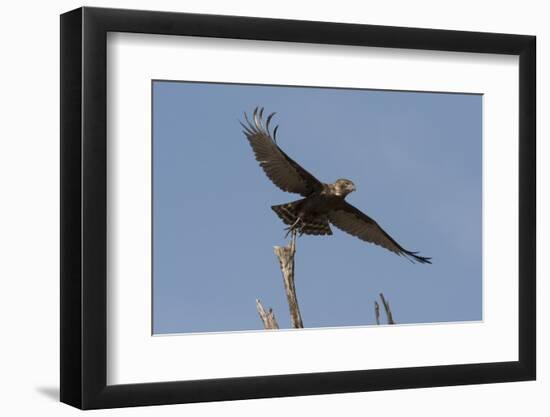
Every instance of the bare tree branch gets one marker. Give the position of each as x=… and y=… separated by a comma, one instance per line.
x=285, y=254
x=387, y=308
x=377, y=312
x=267, y=317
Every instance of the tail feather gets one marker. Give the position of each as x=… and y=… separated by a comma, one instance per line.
x=289, y=214
x=318, y=227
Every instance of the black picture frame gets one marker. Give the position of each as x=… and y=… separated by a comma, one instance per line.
x=84, y=197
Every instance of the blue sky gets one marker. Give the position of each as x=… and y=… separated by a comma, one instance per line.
x=415, y=159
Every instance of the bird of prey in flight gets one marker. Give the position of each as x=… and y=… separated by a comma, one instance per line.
x=323, y=204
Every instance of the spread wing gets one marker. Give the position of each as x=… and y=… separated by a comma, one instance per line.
x=277, y=165
x=353, y=221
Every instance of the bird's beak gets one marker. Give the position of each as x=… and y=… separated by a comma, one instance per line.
x=352, y=188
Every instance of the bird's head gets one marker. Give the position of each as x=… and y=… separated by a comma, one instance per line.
x=343, y=187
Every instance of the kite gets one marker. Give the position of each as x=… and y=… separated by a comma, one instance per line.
x=323, y=204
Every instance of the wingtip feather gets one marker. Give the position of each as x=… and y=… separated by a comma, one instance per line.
x=417, y=258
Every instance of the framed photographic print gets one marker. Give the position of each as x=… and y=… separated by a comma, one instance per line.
x=258, y=207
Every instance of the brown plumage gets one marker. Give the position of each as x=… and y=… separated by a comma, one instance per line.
x=322, y=204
